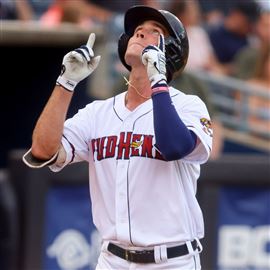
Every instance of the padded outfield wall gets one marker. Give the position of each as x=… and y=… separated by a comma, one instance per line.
x=56, y=230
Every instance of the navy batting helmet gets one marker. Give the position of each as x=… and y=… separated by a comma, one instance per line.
x=176, y=44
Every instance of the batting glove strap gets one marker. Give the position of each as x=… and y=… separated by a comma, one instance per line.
x=158, y=80
x=78, y=64
x=68, y=84
x=159, y=86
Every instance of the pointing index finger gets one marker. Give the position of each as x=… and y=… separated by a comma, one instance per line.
x=91, y=40
x=161, y=43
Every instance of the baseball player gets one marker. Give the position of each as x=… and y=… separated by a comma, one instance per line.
x=144, y=147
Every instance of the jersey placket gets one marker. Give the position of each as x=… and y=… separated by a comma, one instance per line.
x=122, y=198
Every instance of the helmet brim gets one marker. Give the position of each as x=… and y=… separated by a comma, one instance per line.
x=138, y=14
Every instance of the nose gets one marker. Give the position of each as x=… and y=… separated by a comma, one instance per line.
x=140, y=34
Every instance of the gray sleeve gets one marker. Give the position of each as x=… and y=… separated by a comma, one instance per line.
x=36, y=163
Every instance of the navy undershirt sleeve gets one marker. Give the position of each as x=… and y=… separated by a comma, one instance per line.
x=173, y=139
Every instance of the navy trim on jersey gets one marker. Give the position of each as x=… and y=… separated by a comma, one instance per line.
x=173, y=138
x=140, y=117
x=174, y=95
x=129, y=216
x=114, y=99
x=72, y=147
x=128, y=205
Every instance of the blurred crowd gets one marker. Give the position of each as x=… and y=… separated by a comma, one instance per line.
x=53, y=12
x=227, y=38
x=230, y=38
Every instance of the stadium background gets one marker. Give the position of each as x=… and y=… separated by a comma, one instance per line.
x=45, y=218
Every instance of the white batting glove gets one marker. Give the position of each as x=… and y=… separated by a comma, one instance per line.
x=153, y=57
x=78, y=64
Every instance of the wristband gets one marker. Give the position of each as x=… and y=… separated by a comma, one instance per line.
x=159, y=89
x=159, y=86
x=69, y=85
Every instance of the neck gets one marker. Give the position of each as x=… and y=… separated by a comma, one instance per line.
x=139, y=89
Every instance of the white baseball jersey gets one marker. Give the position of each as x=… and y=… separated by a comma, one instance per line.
x=138, y=198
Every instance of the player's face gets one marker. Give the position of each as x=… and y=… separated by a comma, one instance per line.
x=145, y=34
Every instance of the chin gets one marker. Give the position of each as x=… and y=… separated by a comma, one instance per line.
x=135, y=50
x=132, y=58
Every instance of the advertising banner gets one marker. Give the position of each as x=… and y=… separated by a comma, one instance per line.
x=244, y=229
x=71, y=241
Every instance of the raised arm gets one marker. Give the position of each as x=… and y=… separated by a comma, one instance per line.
x=76, y=66
x=49, y=127
x=173, y=138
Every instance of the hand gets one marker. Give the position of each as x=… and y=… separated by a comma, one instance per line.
x=78, y=64
x=153, y=57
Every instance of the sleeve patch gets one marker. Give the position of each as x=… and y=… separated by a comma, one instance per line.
x=207, y=126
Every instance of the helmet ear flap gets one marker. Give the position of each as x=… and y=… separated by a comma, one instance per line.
x=176, y=56
x=122, y=47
